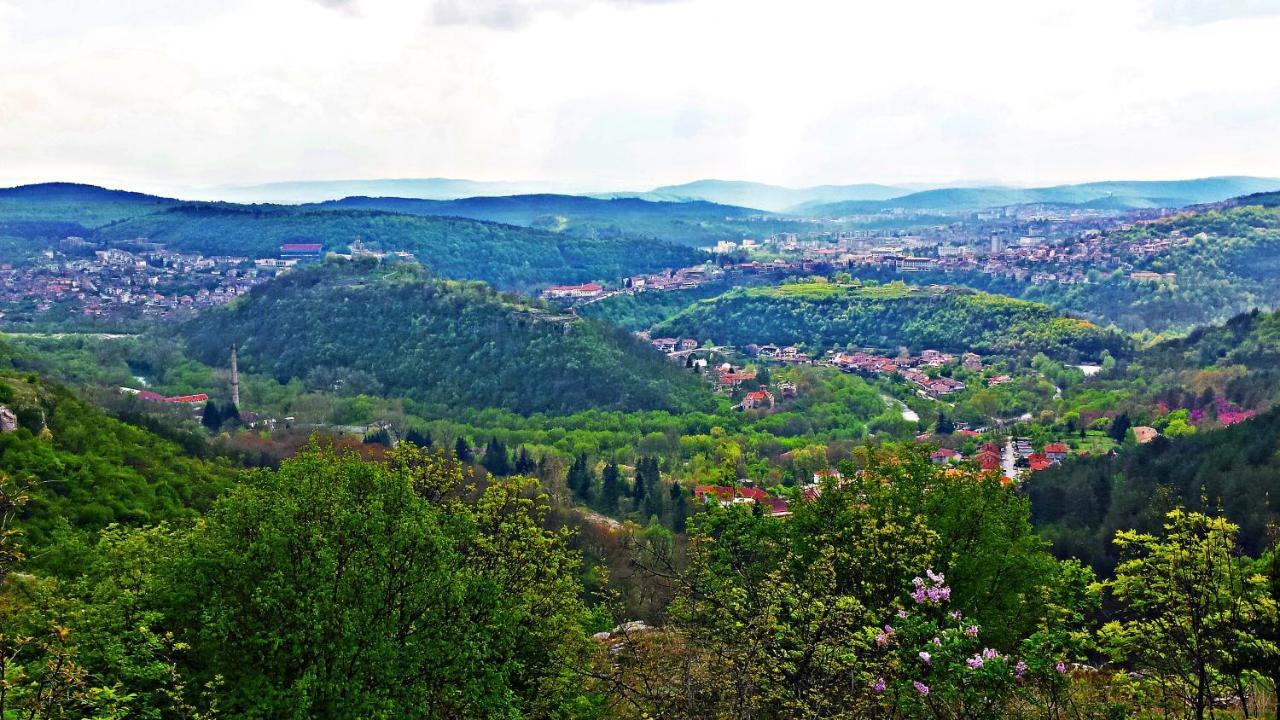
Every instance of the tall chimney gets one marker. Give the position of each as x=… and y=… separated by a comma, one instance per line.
x=235, y=380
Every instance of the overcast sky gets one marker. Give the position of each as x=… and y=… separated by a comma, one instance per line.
x=612, y=94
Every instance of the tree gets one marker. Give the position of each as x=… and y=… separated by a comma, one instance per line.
x=422, y=440
x=944, y=426
x=525, y=464
x=496, y=460
x=1188, y=609
x=679, y=507
x=610, y=489
x=462, y=450
x=1119, y=428
x=341, y=588
x=212, y=417
x=580, y=479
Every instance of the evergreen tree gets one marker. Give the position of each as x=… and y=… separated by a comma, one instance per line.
x=1120, y=427
x=230, y=414
x=652, y=505
x=944, y=425
x=496, y=460
x=580, y=478
x=212, y=418
x=679, y=507
x=524, y=462
x=462, y=450
x=610, y=488
x=418, y=439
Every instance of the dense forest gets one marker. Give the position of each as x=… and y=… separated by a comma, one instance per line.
x=89, y=470
x=696, y=222
x=1080, y=505
x=823, y=315
x=448, y=344
x=504, y=255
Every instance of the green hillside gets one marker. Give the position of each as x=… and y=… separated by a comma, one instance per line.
x=1108, y=194
x=445, y=344
x=691, y=223
x=889, y=316
x=89, y=470
x=451, y=247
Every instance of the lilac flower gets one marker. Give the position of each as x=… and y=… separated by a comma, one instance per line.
x=1019, y=669
x=971, y=631
x=917, y=581
x=921, y=687
x=1061, y=667
x=926, y=658
x=937, y=578
x=937, y=641
x=882, y=639
x=902, y=614
x=956, y=615
x=878, y=686
x=974, y=662
x=989, y=654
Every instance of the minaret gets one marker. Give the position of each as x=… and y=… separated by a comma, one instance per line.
x=235, y=380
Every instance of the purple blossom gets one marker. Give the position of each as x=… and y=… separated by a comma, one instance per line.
x=1061, y=667
x=937, y=578
x=902, y=614
x=882, y=639
x=937, y=641
x=1019, y=669
x=971, y=631
x=956, y=615
x=926, y=658
x=921, y=687
x=878, y=686
x=989, y=654
x=974, y=662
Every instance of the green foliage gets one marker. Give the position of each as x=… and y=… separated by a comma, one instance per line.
x=1080, y=505
x=445, y=344
x=89, y=470
x=823, y=315
x=504, y=255
x=1191, y=607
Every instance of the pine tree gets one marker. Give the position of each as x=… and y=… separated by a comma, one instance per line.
x=462, y=450
x=679, y=508
x=1120, y=427
x=212, y=418
x=580, y=478
x=610, y=489
x=496, y=460
x=230, y=414
x=524, y=462
x=418, y=439
x=944, y=425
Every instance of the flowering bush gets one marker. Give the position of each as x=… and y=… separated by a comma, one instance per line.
x=932, y=663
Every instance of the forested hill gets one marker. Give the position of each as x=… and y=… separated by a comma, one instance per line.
x=452, y=247
x=86, y=470
x=446, y=344
x=692, y=223
x=1079, y=505
x=33, y=216
x=823, y=315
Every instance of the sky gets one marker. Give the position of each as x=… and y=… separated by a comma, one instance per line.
x=630, y=94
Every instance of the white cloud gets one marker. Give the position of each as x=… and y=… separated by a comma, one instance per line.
x=629, y=93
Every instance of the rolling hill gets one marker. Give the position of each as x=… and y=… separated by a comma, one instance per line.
x=31, y=217
x=889, y=316
x=695, y=222
x=774, y=198
x=89, y=469
x=1102, y=195
x=445, y=344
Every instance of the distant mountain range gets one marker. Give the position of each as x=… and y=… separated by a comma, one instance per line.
x=1099, y=195
x=816, y=201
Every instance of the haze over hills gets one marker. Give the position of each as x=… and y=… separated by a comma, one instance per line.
x=1102, y=195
